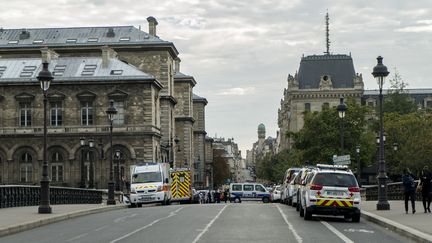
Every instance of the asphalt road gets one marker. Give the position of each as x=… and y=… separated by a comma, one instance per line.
x=246, y=222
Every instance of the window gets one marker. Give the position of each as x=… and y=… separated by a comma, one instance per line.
x=88, y=70
x=26, y=168
x=259, y=188
x=59, y=70
x=71, y=40
x=307, y=106
x=429, y=104
x=116, y=72
x=13, y=42
x=326, y=105
x=92, y=40
x=57, y=167
x=2, y=70
x=56, y=114
x=335, y=179
x=248, y=188
x=119, y=117
x=371, y=104
x=86, y=113
x=38, y=41
x=236, y=187
x=124, y=39
x=25, y=114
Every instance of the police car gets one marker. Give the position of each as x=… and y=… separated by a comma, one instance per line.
x=330, y=190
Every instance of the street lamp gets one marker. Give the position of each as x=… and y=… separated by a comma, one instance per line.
x=358, y=164
x=45, y=77
x=111, y=111
x=86, y=148
x=341, y=108
x=117, y=170
x=379, y=73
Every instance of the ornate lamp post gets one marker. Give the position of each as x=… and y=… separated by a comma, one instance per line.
x=379, y=73
x=86, y=148
x=358, y=164
x=341, y=108
x=45, y=79
x=111, y=111
x=117, y=170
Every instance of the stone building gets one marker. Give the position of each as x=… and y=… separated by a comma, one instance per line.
x=202, y=167
x=91, y=65
x=320, y=82
x=261, y=147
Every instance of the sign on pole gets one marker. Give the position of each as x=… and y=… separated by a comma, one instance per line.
x=342, y=160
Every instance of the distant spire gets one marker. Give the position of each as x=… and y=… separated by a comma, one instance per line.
x=327, y=34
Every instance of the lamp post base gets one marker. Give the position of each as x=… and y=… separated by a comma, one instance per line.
x=383, y=205
x=44, y=206
x=111, y=200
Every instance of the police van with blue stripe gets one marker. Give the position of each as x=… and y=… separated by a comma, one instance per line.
x=248, y=191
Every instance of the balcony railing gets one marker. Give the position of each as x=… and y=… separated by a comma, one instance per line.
x=77, y=129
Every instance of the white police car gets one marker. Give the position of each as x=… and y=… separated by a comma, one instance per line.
x=331, y=190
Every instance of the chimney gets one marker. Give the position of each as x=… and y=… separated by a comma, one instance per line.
x=107, y=54
x=25, y=34
x=110, y=32
x=48, y=55
x=177, y=65
x=152, y=25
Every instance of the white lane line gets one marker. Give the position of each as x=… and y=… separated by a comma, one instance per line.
x=209, y=224
x=337, y=232
x=146, y=226
x=101, y=228
x=290, y=226
x=77, y=237
x=122, y=219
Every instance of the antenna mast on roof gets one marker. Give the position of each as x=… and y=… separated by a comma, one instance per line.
x=327, y=34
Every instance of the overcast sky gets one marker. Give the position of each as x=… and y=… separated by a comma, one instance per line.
x=241, y=52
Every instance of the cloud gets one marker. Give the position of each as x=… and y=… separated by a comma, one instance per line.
x=416, y=29
x=238, y=91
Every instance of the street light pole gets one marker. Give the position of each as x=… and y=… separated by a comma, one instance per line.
x=117, y=170
x=111, y=111
x=45, y=77
x=83, y=145
x=341, y=108
x=380, y=72
x=91, y=169
x=358, y=164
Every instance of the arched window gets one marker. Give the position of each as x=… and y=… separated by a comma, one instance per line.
x=57, y=167
x=26, y=168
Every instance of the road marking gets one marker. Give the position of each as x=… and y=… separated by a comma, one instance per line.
x=360, y=230
x=146, y=226
x=209, y=224
x=101, y=228
x=77, y=237
x=290, y=226
x=122, y=219
x=337, y=232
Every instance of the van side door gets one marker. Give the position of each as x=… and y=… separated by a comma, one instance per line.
x=248, y=190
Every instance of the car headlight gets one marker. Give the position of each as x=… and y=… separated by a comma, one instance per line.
x=133, y=190
x=159, y=188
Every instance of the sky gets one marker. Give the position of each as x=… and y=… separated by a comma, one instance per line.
x=241, y=52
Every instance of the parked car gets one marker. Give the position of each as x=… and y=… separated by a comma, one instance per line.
x=290, y=190
x=288, y=177
x=331, y=190
x=276, y=193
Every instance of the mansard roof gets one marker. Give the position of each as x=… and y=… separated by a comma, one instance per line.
x=15, y=70
x=78, y=36
x=339, y=67
x=181, y=77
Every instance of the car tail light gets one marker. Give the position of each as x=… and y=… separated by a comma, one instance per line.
x=354, y=189
x=316, y=187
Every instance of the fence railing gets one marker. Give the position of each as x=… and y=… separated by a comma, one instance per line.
x=20, y=195
x=395, y=191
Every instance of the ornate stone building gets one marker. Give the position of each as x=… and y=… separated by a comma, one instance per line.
x=320, y=81
x=91, y=65
x=202, y=167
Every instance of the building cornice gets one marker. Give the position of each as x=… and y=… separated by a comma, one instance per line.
x=200, y=132
x=169, y=98
x=185, y=118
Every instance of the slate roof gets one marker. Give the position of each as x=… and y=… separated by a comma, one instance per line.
x=340, y=68
x=197, y=98
x=15, y=70
x=75, y=36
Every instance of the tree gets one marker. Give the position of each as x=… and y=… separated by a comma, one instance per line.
x=220, y=167
x=397, y=99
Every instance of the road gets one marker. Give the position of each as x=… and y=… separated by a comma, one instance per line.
x=246, y=222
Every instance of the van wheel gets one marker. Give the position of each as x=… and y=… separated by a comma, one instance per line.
x=289, y=202
x=301, y=210
x=307, y=214
x=356, y=217
x=133, y=205
x=139, y=205
x=265, y=200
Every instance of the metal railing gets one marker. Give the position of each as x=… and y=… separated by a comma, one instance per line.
x=78, y=129
x=395, y=191
x=21, y=195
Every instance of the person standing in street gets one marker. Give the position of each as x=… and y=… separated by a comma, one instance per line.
x=425, y=183
x=409, y=189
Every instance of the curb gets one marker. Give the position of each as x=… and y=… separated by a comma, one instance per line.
x=397, y=227
x=33, y=224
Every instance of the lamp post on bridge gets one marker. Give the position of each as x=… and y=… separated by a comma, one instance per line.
x=86, y=148
x=380, y=73
x=341, y=108
x=45, y=77
x=111, y=111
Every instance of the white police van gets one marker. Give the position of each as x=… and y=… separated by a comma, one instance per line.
x=248, y=191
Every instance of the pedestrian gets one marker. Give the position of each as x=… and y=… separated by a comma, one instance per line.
x=409, y=189
x=225, y=194
x=217, y=196
x=425, y=183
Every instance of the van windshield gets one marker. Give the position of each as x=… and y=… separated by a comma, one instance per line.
x=146, y=177
x=335, y=179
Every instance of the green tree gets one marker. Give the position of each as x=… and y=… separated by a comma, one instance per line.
x=220, y=167
x=397, y=99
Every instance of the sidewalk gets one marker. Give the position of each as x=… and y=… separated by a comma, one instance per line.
x=416, y=226
x=18, y=219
